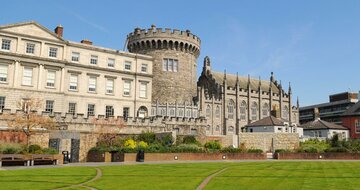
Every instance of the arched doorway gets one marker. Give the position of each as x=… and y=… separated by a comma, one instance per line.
x=142, y=112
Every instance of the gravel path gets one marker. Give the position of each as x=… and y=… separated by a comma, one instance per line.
x=208, y=178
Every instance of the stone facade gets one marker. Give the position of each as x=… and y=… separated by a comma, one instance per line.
x=269, y=142
x=175, y=81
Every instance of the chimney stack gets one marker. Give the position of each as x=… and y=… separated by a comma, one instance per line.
x=275, y=112
x=316, y=114
x=86, y=41
x=59, y=30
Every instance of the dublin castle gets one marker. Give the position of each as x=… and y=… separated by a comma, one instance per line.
x=154, y=86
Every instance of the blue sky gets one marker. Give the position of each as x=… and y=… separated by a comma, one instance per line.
x=315, y=45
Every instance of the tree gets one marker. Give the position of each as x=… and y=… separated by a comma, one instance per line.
x=30, y=119
x=107, y=129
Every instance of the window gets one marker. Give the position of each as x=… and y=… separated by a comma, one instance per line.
x=49, y=106
x=3, y=73
x=172, y=112
x=231, y=109
x=127, y=86
x=109, y=111
x=91, y=110
x=53, y=52
x=93, y=59
x=193, y=131
x=143, y=89
x=75, y=56
x=144, y=68
x=231, y=129
x=285, y=113
x=217, y=112
x=126, y=113
x=2, y=103
x=127, y=66
x=181, y=113
x=30, y=48
x=50, y=81
x=357, y=125
x=142, y=112
x=5, y=44
x=217, y=128
x=72, y=108
x=27, y=76
x=73, y=82
x=109, y=86
x=208, y=111
x=265, y=110
x=243, y=111
x=188, y=113
x=92, y=84
x=111, y=63
x=170, y=65
x=254, y=109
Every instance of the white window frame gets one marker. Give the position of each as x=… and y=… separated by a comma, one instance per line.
x=171, y=65
x=4, y=70
x=143, y=90
x=6, y=44
x=75, y=57
x=93, y=110
x=127, y=66
x=144, y=68
x=53, y=52
x=92, y=84
x=109, y=86
x=27, y=76
x=109, y=111
x=73, y=82
x=94, y=60
x=49, y=106
x=111, y=62
x=72, y=108
x=50, y=79
x=30, y=48
x=127, y=88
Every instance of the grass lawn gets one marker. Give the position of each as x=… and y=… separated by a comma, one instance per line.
x=241, y=175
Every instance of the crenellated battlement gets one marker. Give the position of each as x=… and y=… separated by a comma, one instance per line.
x=158, y=38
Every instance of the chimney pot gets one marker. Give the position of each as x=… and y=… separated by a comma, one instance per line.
x=86, y=41
x=59, y=30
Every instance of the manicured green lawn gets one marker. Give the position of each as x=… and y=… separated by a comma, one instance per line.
x=241, y=175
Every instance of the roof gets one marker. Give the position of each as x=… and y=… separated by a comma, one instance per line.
x=320, y=124
x=268, y=121
x=243, y=82
x=353, y=110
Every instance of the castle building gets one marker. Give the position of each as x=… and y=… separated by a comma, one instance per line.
x=157, y=77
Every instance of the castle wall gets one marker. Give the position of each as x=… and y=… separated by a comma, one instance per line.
x=269, y=141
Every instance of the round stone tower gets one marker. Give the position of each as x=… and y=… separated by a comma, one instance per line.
x=175, y=56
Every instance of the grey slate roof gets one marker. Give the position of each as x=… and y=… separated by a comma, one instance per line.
x=320, y=124
x=243, y=82
x=353, y=110
x=268, y=121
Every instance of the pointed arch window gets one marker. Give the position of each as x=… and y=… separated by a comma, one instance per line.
x=265, y=110
x=243, y=106
x=208, y=111
x=231, y=109
x=254, y=110
x=217, y=112
x=285, y=114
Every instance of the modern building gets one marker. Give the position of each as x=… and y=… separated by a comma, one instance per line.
x=331, y=111
x=324, y=130
x=351, y=120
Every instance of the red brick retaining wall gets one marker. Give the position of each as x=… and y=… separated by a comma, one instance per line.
x=316, y=156
x=131, y=157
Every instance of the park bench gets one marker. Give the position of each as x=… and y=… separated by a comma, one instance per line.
x=14, y=160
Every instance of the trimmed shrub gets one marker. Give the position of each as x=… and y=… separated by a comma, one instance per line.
x=255, y=151
x=190, y=148
x=337, y=149
x=11, y=149
x=34, y=148
x=283, y=151
x=213, y=145
x=50, y=151
x=189, y=140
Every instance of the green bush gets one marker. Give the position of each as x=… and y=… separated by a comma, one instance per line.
x=50, y=151
x=34, y=148
x=190, y=148
x=314, y=146
x=11, y=148
x=148, y=137
x=231, y=150
x=255, y=151
x=282, y=151
x=189, y=140
x=337, y=149
x=213, y=145
x=166, y=140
